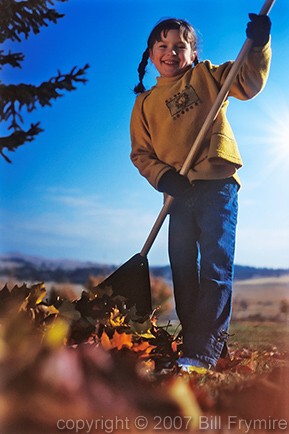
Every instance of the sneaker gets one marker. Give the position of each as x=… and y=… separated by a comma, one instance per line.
x=190, y=365
x=189, y=369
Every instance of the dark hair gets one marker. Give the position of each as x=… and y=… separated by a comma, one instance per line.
x=187, y=32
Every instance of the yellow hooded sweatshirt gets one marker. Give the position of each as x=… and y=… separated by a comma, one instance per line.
x=166, y=119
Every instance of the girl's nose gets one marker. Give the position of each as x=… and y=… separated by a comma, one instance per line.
x=174, y=52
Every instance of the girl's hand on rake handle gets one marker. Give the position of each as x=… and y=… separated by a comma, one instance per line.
x=173, y=183
x=258, y=29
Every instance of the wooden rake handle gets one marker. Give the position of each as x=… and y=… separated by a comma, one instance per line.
x=213, y=113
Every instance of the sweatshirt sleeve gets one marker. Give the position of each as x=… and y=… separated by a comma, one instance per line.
x=142, y=154
x=252, y=76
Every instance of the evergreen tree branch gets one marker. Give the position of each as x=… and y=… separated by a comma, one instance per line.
x=21, y=17
x=14, y=97
x=18, y=138
x=12, y=59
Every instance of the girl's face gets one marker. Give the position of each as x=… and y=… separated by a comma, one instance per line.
x=172, y=54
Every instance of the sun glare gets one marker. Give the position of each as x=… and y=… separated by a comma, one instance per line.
x=279, y=135
x=274, y=134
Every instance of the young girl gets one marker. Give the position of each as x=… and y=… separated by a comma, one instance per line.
x=165, y=122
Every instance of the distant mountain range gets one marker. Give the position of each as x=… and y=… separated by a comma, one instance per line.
x=34, y=268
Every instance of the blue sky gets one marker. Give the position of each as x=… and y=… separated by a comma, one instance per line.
x=73, y=192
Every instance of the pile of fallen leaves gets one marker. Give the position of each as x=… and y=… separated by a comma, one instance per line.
x=97, y=317
x=93, y=359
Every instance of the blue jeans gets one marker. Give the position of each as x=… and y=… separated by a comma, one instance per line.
x=202, y=234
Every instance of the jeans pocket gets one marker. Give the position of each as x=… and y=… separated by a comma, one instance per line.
x=220, y=194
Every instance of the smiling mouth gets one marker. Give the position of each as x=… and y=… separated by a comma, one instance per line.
x=170, y=62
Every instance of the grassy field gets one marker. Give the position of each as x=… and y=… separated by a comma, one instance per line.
x=254, y=335
x=260, y=335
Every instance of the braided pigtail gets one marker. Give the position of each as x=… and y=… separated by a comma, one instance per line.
x=139, y=88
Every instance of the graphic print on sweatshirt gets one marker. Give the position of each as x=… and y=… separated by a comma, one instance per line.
x=182, y=102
